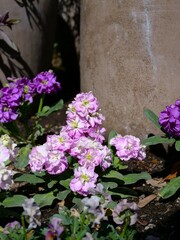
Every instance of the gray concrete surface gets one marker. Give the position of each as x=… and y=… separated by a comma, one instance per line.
x=130, y=59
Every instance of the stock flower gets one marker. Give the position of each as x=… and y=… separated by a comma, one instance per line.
x=59, y=142
x=84, y=117
x=76, y=127
x=38, y=157
x=128, y=147
x=85, y=103
x=7, y=113
x=11, y=96
x=32, y=213
x=46, y=82
x=5, y=178
x=9, y=147
x=55, y=229
x=25, y=87
x=84, y=179
x=56, y=162
x=4, y=154
x=169, y=119
x=125, y=210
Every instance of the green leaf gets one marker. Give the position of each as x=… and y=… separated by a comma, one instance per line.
x=45, y=109
x=66, y=220
x=15, y=201
x=171, y=188
x=117, y=163
x=110, y=185
x=65, y=183
x=129, y=178
x=114, y=174
x=177, y=145
x=112, y=134
x=45, y=199
x=62, y=195
x=23, y=157
x=29, y=178
x=134, y=177
x=111, y=204
x=52, y=109
x=52, y=183
x=156, y=140
x=152, y=117
x=122, y=195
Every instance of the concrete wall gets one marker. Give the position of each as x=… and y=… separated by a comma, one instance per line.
x=130, y=59
x=34, y=35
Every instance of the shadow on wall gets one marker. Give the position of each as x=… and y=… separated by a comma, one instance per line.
x=69, y=72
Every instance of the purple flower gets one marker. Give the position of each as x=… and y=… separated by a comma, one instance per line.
x=46, y=82
x=128, y=147
x=55, y=229
x=11, y=96
x=7, y=114
x=169, y=119
x=26, y=87
x=125, y=210
x=84, y=179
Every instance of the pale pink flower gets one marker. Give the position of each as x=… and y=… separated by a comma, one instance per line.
x=84, y=179
x=85, y=103
x=76, y=127
x=91, y=157
x=38, y=157
x=59, y=142
x=4, y=154
x=128, y=147
x=56, y=162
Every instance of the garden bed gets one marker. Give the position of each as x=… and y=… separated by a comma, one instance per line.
x=158, y=219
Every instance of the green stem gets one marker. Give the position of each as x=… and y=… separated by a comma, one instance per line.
x=41, y=103
x=24, y=227
x=125, y=228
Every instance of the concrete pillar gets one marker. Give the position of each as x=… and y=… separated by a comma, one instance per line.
x=33, y=35
x=130, y=59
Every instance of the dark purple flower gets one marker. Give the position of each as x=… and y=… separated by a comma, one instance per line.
x=7, y=113
x=26, y=87
x=169, y=119
x=11, y=96
x=46, y=82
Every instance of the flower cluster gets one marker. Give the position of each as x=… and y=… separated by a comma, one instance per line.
x=169, y=119
x=82, y=139
x=128, y=147
x=84, y=117
x=23, y=90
